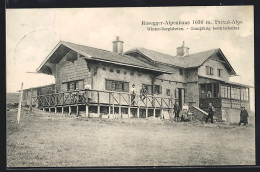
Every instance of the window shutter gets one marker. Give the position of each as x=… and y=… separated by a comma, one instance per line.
x=64, y=87
x=149, y=89
x=108, y=85
x=126, y=87
x=160, y=89
x=81, y=85
x=176, y=93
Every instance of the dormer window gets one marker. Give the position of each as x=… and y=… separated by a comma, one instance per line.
x=209, y=70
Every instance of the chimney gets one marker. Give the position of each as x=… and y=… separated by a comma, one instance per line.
x=182, y=51
x=118, y=46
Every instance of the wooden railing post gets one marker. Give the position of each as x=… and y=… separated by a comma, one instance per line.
x=130, y=103
x=119, y=110
x=87, y=114
x=161, y=108
x=98, y=108
x=146, y=109
x=113, y=107
x=109, y=104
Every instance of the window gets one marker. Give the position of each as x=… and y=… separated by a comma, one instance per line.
x=111, y=70
x=118, y=71
x=235, y=93
x=157, y=89
x=181, y=71
x=225, y=91
x=168, y=92
x=244, y=94
x=209, y=70
x=209, y=90
x=121, y=86
x=74, y=85
x=220, y=72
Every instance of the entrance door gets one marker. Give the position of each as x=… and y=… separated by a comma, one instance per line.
x=181, y=96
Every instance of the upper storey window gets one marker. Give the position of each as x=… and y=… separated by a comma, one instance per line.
x=209, y=70
x=220, y=72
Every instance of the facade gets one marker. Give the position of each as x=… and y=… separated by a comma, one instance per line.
x=192, y=79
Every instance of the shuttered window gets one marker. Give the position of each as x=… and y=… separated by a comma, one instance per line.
x=113, y=85
x=72, y=85
x=209, y=70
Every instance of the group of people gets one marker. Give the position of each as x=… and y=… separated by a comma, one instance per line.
x=143, y=93
x=177, y=107
x=211, y=111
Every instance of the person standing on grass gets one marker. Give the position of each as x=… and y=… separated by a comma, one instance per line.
x=133, y=93
x=177, y=110
x=243, y=116
x=211, y=111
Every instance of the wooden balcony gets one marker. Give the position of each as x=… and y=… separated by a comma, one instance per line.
x=100, y=98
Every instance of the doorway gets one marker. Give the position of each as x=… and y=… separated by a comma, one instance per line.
x=181, y=96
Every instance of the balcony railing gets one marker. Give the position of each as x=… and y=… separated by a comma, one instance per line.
x=98, y=97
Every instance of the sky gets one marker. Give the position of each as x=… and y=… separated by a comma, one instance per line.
x=31, y=34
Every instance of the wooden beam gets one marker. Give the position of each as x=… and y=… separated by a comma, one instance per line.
x=154, y=111
x=138, y=112
x=129, y=112
x=87, y=114
x=161, y=113
x=69, y=110
x=119, y=110
x=62, y=110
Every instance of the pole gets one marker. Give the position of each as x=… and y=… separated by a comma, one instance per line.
x=20, y=104
x=31, y=100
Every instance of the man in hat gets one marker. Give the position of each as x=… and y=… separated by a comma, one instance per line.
x=143, y=93
x=133, y=93
x=243, y=116
x=177, y=110
x=211, y=113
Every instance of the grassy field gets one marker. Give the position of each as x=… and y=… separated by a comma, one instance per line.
x=55, y=140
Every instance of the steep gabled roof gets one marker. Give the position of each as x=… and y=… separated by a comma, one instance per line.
x=96, y=54
x=189, y=61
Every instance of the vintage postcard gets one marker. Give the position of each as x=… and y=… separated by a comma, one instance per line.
x=147, y=86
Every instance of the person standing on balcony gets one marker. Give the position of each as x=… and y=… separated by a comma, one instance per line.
x=133, y=93
x=211, y=111
x=177, y=110
x=243, y=116
x=143, y=93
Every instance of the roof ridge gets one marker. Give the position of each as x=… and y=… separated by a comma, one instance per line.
x=137, y=48
x=84, y=46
